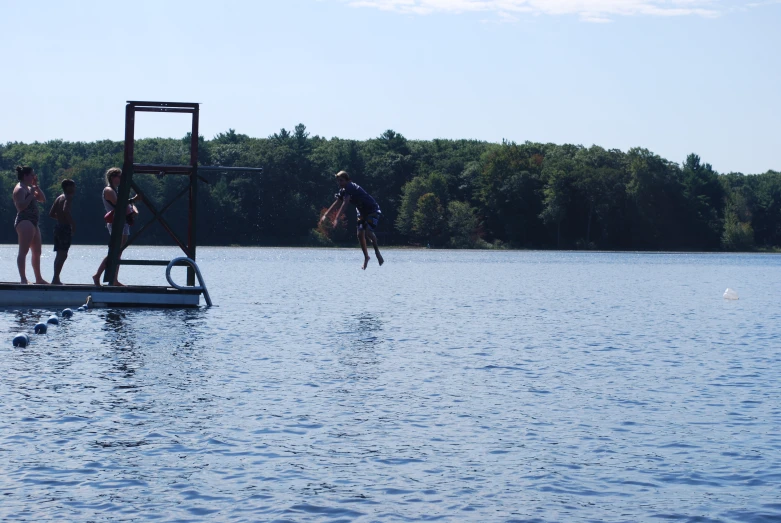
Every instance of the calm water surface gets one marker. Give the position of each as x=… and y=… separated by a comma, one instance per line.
x=454, y=386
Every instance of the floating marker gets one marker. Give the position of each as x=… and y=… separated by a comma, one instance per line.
x=67, y=313
x=40, y=328
x=21, y=340
x=53, y=319
x=730, y=294
x=81, y=309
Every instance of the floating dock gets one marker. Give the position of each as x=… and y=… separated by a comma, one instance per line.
x=17, y=294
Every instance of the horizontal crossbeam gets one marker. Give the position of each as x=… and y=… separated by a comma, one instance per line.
x=154, y=168
x=137, y=104
x=164, y=110
x=156, y=263
x=221, y=169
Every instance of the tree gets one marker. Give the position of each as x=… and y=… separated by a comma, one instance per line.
x=428, y=220
x=411, y=193
x=449, y=192
x=509, y=191
x=705, y=203
x=738, y=235
x=557, y=196
x=462, y=224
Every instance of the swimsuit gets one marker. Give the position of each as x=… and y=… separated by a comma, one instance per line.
x=63, y=234
x=368, y=222
x=110, y=207
x=30, y=214
x=367, y=208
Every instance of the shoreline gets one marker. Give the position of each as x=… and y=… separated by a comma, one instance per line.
x=774, y=251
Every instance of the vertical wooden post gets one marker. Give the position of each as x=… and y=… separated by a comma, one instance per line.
x=192, y=230
x=123, y=195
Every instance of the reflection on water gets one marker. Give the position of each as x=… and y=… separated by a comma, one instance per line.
x=361, y=343
x=454, y=386
x=26, y=319
x=120, y=340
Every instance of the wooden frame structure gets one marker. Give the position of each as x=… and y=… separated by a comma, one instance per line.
x=129, y=168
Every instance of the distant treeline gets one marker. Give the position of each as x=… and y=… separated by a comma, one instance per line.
x=447, y=193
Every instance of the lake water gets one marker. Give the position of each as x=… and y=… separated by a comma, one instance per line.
x=454, y=386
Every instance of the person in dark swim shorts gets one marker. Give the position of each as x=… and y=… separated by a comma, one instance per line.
x=368, y=213
x=64, y=228
x=368, y=223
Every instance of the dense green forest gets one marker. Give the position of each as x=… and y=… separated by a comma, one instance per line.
x=447, y=193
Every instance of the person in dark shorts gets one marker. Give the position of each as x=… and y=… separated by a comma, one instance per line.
x=64, y=228
x=367, y=209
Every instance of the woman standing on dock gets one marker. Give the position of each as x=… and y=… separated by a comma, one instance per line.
x=110, y=193
x=27, y=194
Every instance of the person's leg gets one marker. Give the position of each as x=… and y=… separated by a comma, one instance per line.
x=59, y=261
x=35, y=247
x=61, y=254
x=373, y=239
x=25, y=230
x=116, y=276
x=362, y=241
x=96, y=277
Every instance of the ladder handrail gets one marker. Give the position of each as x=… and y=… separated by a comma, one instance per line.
x=191, y=263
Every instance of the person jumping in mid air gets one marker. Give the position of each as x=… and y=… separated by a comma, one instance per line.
x=368, y=213
x=64, y=228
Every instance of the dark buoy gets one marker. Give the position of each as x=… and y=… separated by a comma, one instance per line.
x=81, y=309
x=67, y=313
x=40, y=328
x=21, y=340
x=53, y=319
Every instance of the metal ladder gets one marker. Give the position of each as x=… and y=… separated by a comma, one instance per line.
x=201, y=287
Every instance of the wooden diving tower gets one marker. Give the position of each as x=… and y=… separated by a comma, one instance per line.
x=133, y=295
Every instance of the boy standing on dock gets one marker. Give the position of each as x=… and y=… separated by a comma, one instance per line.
x=368, y=213
x=64, y=228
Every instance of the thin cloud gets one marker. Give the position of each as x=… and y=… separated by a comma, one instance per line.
x=588, y=10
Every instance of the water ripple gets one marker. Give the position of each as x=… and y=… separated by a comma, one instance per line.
x=527, y=387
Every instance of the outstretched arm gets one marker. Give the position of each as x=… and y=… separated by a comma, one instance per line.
x=329, y=210
x=345, y=201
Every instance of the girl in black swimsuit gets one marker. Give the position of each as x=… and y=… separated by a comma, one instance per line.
x=27, y=194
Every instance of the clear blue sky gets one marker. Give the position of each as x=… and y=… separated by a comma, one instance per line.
x=675, y=76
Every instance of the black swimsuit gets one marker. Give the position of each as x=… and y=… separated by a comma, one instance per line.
x=30, y=214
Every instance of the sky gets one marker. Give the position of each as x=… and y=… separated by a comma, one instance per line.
x=672, y=76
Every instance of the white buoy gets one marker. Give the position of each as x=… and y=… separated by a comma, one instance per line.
x=730, y=294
